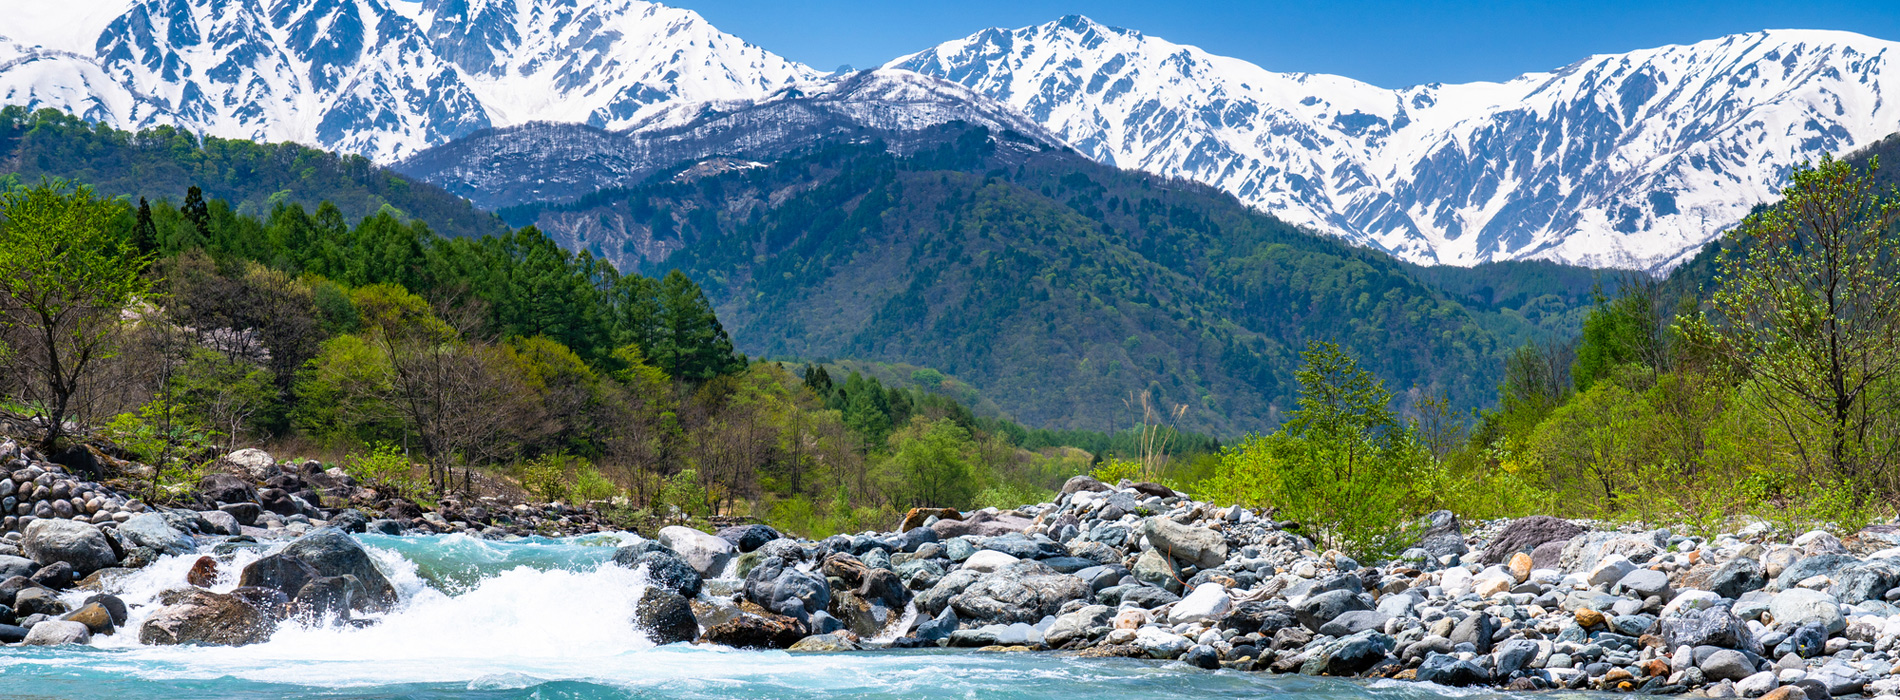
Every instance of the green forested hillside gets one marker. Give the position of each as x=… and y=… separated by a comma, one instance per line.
x=162, y=163
x=1056, y=286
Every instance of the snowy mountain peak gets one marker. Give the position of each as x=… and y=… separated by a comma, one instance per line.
x=384, y=78
x=1625, y=160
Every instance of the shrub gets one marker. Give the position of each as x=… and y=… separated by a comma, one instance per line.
x=386, y=468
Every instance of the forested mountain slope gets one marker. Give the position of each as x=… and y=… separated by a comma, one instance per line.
x=162, y=163
x=1056, y=285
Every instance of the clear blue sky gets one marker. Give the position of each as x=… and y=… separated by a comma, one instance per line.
x=1387, y=43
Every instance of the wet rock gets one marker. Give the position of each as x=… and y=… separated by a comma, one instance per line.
x=332, y=597
x=665, y=569
x=57, y=575
x=150, y=530
x=706, y=553
x=279, y=572
x=1448, y=670
x=79, y=544
x=786, y=590
x=113, y=605
x=757, y=630
x=12, y=634
x=333, y=553
x=665, y=617
x=37, y=601
x=57, y=632
x=197, y=616
x=832, y=642
x=746, y=538
x=1525, y=534
x=96, y=618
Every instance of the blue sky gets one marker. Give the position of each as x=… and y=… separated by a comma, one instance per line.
x=1391, y=44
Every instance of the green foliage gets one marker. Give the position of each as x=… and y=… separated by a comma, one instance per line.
x=1114, y=471
x=65, y=277
x=1342, y=466
x=384, y=467
x=932, y=459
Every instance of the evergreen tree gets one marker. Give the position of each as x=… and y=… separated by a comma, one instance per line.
x=691, y=344
x=144, y=232
x=197, y=212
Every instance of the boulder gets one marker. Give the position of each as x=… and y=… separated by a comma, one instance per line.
x=1354, y=622
x=1083, y=482
x=222, y=523
x=1477, y=630
x=278, y=572
x=664, y=569
x=1208, y=601
x=1021, y=592
x=1445, y=669
x=1085, y=623
x=198, y=616
x=1442, y=536
x=829, y=642
x=37, y=601
x=79, y=544
x=989, y=561
x=57, y=632
x=757, y=630
x=1644, y=583
x=1829, y=565
x=246, y=514
x=1317, y=610
x=706, y=553
x=787, y=591
x=94, y=616
x=332, y=553
x=222, y=488
x=1737, y=576
x=151, y=531
x=1609, y=570
x=1199, y=546
x=113, y=605
x=1714, y=626
x=665, y=617
x=331, y=597
x=981, y=524
x=915, y=517
x=253, y=463
x=1525, y=534
x=1156, y=569
x=746, y=538
x=1726, y=664
x=11, y=566
x=1800, y=606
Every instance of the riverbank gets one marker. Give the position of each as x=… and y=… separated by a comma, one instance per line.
x=1129, y=570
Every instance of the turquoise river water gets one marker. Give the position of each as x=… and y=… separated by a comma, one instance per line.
x=546, y=619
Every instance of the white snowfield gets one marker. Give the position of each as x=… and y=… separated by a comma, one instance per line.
x=1626, y=160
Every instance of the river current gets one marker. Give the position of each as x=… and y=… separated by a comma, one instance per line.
x=547, y=619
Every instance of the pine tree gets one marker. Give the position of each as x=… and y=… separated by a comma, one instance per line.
x=197, y=212
x=144, y=232
x=692, y=345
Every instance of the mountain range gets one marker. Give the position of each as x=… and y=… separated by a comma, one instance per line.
x=1621, y=160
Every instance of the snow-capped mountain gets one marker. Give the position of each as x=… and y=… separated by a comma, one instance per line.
x=383, y=78
x=1625, y=160
x=556, y=161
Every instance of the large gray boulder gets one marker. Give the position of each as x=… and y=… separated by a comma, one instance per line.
x=198, y=616
x=152, y=531
x=785, y=590
x=1800, y=606
x=50, y=633
x=664, y=569
x=1829, y=565
x=1199, y=546
x=1319, y=609
x=332, y=553
x=1021, y=592
x=1087, y=623
x=1714, y=626
x=1525, y=534
x=78, y=544
x=665, y=617
x=251, y=462
x=1737, y=576
x=706, y=553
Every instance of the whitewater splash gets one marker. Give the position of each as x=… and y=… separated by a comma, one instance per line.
x=547, y=618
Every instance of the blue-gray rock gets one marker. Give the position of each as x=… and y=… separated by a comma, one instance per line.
x=1868, y=580
x=11, y=566
x=1319, y=609
x=1442, y=535
x=1201, y=655
x=1829, y=565
x=1448, y=670
x=664, y=568
x=938, y=627
x=1266, y=618
x=1644, y=583
x=1706, y=627
x=349, y=520
x=1633, y=625
x=1807, y=641
x=1476, y=630
x=1069, y=565
x=1354, y=622
x=665, y=617
x=1349, y=656
x=1737, y=576
x=1726, y=664
x=746, y=538
x=333, y=553
x=1024, y=591
x=786, y=590
x=151, y=530
x=1515, y=655
x=10, y=634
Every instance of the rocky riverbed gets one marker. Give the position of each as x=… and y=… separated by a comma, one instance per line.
x=1129, y=570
